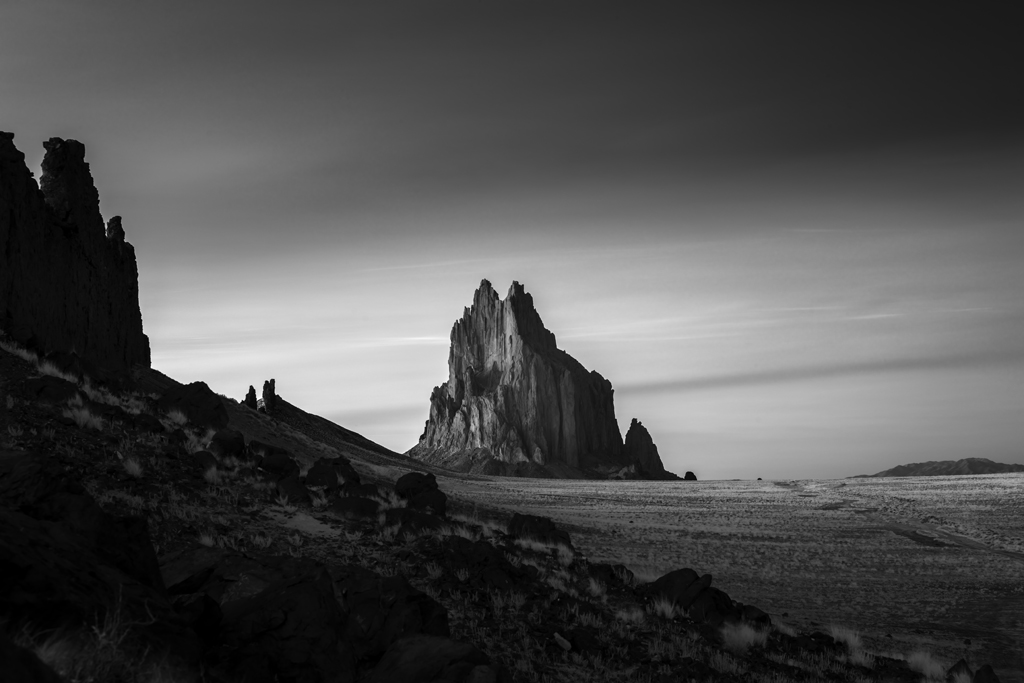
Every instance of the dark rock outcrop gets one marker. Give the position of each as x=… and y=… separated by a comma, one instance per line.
x=67, y=281
x=689, y=476
x=538, y=529
x=514, y=401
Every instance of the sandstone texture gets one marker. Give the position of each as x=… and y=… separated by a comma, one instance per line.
x=68, y=283
x=515, y=403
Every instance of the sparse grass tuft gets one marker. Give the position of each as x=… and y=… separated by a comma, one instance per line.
x=662, y=607
x=738, y=638
x=132, y=467
x=15, y=350
x=924, y=664
x=847, y=636
x=177, y=418
x=48, y=368
x=212, y=475
x=631, y=615
x=596, y=588
x=84, y=419
x=206, y=538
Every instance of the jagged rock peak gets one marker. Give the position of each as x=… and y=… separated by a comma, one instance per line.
x=516, y=402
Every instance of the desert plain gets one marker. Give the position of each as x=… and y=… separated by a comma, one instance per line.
x=932, y=564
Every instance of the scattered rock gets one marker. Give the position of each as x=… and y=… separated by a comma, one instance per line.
x=422, y=658
x=414, y=483
x=292, y=488
x=322, y=473
x=985, y=675
x=228, y=443
x=278, y=464
x=537, y=528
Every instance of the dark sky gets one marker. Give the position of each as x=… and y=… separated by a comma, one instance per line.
x=782, y=230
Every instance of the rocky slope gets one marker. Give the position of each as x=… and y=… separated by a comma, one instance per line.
x=515, y=403
x=946, y=468
x=180, y=536
x=68, y=283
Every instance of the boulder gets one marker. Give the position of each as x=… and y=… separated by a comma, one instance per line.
x=487, y=566
x=294, y=490
x=250, y=398
x=985, y=675
x=278, y=464
x=228, y=443
x=203, y=461
x=679, y=587
x=713, y=607
x=322, y=474
x=148, y=423
x=198, y=402
x=961, y=669
x=346, y=473
x=537, y=528
x=382, y=610
x=423, y=658
x=48, y=389
x=689, y=476
x=291, y=630
x=612, y=575
x=433, y=501
x=414, y=483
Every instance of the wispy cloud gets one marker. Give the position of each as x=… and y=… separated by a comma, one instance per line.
x=787, y=375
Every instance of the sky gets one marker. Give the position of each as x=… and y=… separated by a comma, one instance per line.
x=791, y=235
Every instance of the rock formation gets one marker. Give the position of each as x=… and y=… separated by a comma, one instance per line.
x=640, y=450
x=269, y=396
x=68, y=283
x=515, y=403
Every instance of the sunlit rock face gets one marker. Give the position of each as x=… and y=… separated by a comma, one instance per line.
x=515, y=403
x=68, y=283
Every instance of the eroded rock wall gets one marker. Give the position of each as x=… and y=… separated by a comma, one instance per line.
x=68, y=282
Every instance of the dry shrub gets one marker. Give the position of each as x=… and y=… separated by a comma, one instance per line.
x=84, y=419
x=738, y=638
x=924, y=664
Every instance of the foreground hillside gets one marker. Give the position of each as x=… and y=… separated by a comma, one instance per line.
x=162, y=532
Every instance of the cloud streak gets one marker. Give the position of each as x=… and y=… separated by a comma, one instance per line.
x=810, y=373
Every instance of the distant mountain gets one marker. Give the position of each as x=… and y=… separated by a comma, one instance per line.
x=516, y=404
x=946, y=468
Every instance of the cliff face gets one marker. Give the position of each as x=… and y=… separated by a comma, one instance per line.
x=516, y=403
x=68, y=282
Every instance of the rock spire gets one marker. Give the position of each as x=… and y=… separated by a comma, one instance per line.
x=515, y=403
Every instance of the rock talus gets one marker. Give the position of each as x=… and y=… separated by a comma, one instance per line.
x=68, y=282
x=515, y=403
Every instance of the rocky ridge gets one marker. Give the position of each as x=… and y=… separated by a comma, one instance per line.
x=515, y=403
x=948, y=468
x=68, y=283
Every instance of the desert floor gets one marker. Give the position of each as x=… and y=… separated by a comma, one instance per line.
x=929, y=563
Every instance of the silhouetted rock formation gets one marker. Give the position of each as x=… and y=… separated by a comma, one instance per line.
x=946, y=468
x=67, y=282
x=640, y=450
x=250, y=398
x=515, y=403
x=269, y=396
x=690, y=476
